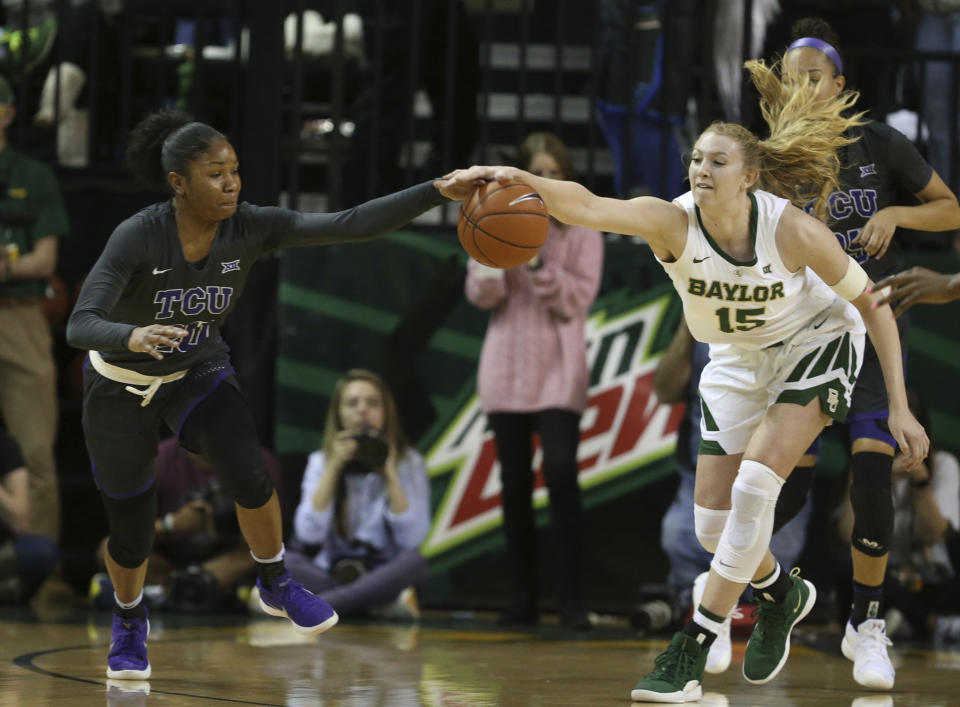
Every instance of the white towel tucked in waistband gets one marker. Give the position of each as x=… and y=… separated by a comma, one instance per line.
x=125, y=375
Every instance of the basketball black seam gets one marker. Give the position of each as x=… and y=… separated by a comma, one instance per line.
x=473, y=237
x=491, y=192
x=477, y=227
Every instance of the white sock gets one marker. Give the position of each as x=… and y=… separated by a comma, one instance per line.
x=131, y=604
x=769, y=580
x=276, y=558
x=706, y=622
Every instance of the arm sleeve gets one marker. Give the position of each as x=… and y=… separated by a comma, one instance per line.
x=365, y=222
x=484, y=293
x=310, y=525
x=88, y=326
x=410, y=527
x=910, y=169
x=568, y=289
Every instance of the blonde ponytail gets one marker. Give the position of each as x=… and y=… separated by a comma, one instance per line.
x=798, y=161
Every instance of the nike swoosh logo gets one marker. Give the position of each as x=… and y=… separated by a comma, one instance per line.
x=526, y=197
x=700, y=260
x=157, y=271
x=817, y=326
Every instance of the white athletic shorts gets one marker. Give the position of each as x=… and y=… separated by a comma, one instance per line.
x=821, y=360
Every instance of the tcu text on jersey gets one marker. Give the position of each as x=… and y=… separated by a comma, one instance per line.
x=844, y=204
x=193, y=301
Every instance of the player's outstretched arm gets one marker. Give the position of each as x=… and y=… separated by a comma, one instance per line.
x=655, y=220
x=917, y=286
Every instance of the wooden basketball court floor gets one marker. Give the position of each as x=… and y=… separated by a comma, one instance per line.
x=262, y=661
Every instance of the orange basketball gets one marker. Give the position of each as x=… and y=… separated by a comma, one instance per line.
x=503, y=225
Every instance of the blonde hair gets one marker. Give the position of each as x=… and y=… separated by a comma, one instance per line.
x=798, y=161
x=551, y=145
x=392, y=430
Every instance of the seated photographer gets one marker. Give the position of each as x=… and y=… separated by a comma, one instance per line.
x=25, y=558
x=199, y=558
x=364, y=508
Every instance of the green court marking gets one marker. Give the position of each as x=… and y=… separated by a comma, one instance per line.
x=935, y=346
x=337, y=308
x=290, y=438
x=304, y=376
x=359, y=315
x=436, y=247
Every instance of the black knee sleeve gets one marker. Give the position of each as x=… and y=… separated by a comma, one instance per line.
x=792, y=496
x=242, y=473
x=872, y=500
x=221, y=430
x=131, y=527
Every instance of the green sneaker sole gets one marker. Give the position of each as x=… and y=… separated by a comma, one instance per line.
x=808, y=605
x=691, y=693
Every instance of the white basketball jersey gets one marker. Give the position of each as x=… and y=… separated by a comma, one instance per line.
x=751, y=304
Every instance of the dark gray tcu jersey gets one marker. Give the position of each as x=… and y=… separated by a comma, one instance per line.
x=142, y=277
x=880, y=169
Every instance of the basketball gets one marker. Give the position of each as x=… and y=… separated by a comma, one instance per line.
x=503, y=225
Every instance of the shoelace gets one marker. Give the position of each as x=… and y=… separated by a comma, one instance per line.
x=767, y=612
x=874, y=641
x=769, y=609
x=128, y=641
x=671, y=663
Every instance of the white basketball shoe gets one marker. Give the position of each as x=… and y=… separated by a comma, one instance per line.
x=866, y=646
x=718, y=659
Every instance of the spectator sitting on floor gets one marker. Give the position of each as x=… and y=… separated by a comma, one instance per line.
x=364, y=508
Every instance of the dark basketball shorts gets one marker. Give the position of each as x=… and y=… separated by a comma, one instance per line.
x=122, y=436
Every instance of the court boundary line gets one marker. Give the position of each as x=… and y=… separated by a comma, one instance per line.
x=25, y=661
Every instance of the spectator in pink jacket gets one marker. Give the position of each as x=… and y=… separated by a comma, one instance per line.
x=533, y=378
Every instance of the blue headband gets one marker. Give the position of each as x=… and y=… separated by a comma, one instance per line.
x=818, y=44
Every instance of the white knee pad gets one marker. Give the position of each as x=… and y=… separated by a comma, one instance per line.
x=708, y=524
x=746, y=536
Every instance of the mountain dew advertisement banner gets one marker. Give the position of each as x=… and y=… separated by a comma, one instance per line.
x=623, y=429
x=396, y=306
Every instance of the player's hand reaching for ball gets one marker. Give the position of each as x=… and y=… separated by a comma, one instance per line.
x=460, y=183
x=146, y=339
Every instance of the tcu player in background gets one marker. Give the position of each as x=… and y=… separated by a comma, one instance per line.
x=879, y=172
x=149, y=313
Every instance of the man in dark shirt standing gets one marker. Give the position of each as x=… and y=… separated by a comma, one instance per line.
x=32, y=217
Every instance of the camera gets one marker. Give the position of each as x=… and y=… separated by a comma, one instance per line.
x=371, y=453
